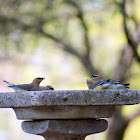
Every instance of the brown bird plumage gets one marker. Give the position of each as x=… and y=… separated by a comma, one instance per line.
x=48, y=87
x=89, y=83
x=96, y=78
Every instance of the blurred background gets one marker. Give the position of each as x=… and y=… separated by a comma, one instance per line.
x=65, y=41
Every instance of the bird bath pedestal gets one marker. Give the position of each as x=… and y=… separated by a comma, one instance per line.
x=66, y=114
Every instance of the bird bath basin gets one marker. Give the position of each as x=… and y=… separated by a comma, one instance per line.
x=66, y=114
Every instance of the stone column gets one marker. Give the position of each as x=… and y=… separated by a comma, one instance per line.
x=64, y=129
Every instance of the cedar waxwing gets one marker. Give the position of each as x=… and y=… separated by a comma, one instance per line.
x=98, y=81
x=108, y=84
x=48, y=87
x=34, y=86
x=113, y=84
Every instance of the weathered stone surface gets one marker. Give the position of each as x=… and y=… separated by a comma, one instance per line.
x=69, y=98
x=64, y=129
x=64, y=112
x=69, y=112
x=67, y=104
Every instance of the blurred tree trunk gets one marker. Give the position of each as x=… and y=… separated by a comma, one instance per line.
x=118, y=126
x=119, y=123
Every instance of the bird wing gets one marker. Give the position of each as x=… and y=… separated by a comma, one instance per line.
x=107, y=83
x=23, y=87
x=96, y=84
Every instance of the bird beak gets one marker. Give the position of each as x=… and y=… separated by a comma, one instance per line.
x=42, y=79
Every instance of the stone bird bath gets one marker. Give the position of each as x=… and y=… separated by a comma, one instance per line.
x=67, y=114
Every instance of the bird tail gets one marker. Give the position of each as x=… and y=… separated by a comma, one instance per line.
x=10, y=84
x=126, y=85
